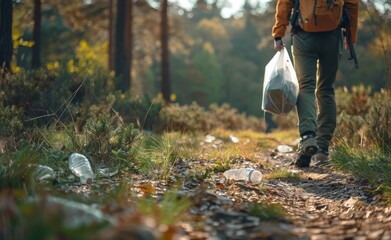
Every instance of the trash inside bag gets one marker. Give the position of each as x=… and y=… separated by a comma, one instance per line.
x=280, y=86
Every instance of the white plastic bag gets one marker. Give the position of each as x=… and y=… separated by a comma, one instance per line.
x=280, y=86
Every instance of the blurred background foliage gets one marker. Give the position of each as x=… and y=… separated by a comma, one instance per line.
x=216, y=64
x=213, y=59
x=73, y=101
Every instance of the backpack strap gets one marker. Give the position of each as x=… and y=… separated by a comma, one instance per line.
x=329, y=3
x=314, y=13
x=295, y=15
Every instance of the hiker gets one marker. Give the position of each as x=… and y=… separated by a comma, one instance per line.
x=316, y=44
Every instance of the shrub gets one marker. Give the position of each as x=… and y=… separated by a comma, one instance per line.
x=15, y=168
x=44, y=95
x=109, y=145
x=193, y=117
x=35, y=92
x=379, y=121
x=354, y=102
x=286, y=122
x=226, y=117
x=372, y=128
x=11, y=121
x=143, y=112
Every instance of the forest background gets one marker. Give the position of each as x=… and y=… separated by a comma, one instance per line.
x=155, y=90
x=211, y=59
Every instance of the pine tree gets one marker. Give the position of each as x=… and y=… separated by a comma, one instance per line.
x=165, y=84
x=6, y=35
x=36, y=57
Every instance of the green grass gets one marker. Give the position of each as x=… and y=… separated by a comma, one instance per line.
x=38, y=219
x=283, y=175
x=370, y=164
x=16, y=169
x=200, y=175
x=267, y=211
x=170, y=209
x=285, y=136
x=158, y=156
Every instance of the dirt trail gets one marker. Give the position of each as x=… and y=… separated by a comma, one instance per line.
x=326, y=204
x=322, y=204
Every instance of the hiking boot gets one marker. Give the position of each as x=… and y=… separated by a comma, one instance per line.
x=303, y=161
x=308, y=146
x=321, y=157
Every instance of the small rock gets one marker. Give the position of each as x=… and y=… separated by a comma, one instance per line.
x=375, y=234
x=284, y=148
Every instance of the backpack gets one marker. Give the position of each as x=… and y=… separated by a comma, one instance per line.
x=316, y=15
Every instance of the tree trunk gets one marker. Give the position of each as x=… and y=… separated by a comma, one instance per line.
x=36, y=57
x=122, y=44
x=111, y=36
x=5, y=35
x=165, y=67
x=128, y=44
x=119, y=39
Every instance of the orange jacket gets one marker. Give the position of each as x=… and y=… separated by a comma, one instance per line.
x=285, y=7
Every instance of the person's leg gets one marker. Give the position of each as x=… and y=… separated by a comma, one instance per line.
x=305, y=55
x=305, y=61
x=328, y=66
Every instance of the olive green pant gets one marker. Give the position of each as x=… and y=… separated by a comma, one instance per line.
x=316, y=57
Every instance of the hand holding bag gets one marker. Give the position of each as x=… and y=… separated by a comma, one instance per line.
x=280, y=86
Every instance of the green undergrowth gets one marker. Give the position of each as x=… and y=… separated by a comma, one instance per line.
x=169, y=209
x=369, y=164
x=148, y=155
x=16, y=169
x=267, y=211
x=362, y=138
x=283, y=175
x=157, y=156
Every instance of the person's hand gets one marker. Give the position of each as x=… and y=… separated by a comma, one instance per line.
x=278, y=44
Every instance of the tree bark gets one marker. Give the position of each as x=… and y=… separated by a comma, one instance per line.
x=111, y=49
x=165, y=65
x=119, y=39
x=128, y=44
x=123, y=44
x=36, y=57
x=6, y=35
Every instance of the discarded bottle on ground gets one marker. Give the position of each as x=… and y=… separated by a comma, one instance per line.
x=244, y=174
x=80, y=166
x=42, y=173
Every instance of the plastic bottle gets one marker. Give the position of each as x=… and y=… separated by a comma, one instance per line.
x=80, y=166
x=42, y=173
x=233, y=139
x=244, y=174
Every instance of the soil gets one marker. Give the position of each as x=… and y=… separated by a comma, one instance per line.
x=320, y=204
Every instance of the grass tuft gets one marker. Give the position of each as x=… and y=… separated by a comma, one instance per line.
x=284, y=175
x=372, y=165
x=267, y=211
x=171, y=207
x=16, y=169
x=158, y=155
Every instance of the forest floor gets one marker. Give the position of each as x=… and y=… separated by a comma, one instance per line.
x=290, y=203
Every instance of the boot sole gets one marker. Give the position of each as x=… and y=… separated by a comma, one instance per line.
x=303, y=161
